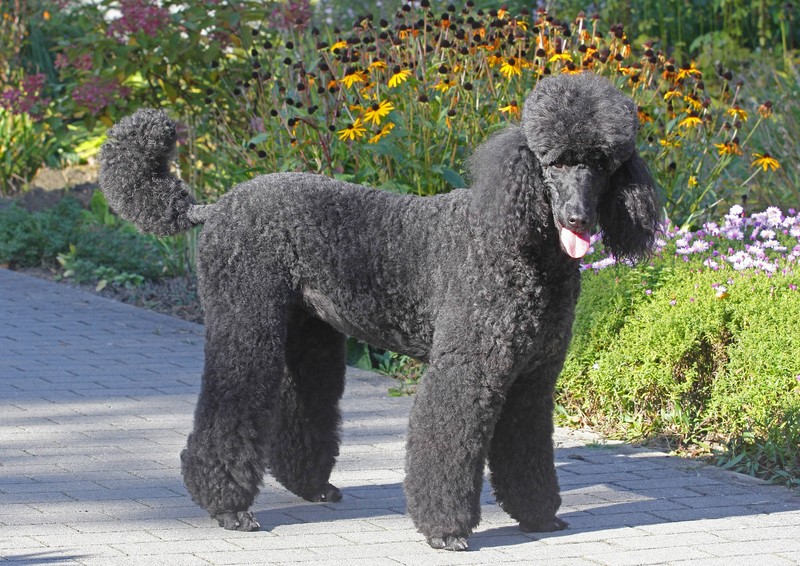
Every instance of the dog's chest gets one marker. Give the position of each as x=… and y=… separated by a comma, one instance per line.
x=539, y=310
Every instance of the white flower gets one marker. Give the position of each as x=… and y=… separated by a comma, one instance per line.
x=603, y=263
x=735, y=211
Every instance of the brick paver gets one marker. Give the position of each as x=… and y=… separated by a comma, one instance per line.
x=96, y=400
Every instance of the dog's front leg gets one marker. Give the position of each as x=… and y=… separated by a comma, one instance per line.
x=521, y=458
x=449, y=430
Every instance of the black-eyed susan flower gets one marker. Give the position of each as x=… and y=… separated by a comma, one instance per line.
x=494, y=60
x=512, y=109
x=510, y=68
x=560, y=56
x=693, y=102
x=444, y=86
x=377, y=112
x=338, y=45
x=399, y=76
x=765, y=161
x=353, y=131
x=669, y=142
x=388, y=127
x=765, y=109
x=353, y=76
x=737, y=112
x=691, y=121
x=502, y=13
x=729, y=148
x=688, y=71
x=376, y=65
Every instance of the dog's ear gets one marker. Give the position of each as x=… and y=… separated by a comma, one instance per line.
x=630, y=214
x=502, y=172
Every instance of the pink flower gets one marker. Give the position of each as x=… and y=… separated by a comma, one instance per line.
x=97, y=93
x=138, y=16
x=81, y=62
x=292, y=14
x=27, y=98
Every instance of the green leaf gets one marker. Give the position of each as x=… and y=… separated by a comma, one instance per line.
x=451, y=176
x=358, y=355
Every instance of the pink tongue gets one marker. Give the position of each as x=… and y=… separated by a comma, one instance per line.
x=576, y=245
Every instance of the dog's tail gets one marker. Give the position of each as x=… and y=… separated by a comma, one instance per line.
x=136, y=180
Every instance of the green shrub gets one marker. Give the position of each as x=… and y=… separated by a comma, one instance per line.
x=699, y=349
x=89, y=245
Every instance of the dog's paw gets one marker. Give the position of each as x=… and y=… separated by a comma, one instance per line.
x=448, y=542
x=547, y=526
x=241, y=521
x=330, y=493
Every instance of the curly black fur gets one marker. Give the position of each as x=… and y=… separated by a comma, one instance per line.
x=477, y=282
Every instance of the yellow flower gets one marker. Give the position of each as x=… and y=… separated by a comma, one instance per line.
x=692, y=182
x=398, y=76
x=737, y=112
x=377, y=65
x=353, y=76
x=690, y=71
x=405, y=33
x=765, y=109
x=693, y=102
x=669, y=143
x=510, y=68
x=383, y=131
x=672, y=93
x=644, y=116
x=728, y=148
x=560, y=56
x=502, y=13
x=353, y=131
x=494, y=60
x=378, y=111
x=765, y=161
x=338, y=45
x=512, y=109
x=444, y=86
x=690, y=122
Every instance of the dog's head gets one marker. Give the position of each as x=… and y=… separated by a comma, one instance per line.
x=582, y=131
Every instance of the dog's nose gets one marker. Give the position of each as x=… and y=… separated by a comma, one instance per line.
x=577, y=223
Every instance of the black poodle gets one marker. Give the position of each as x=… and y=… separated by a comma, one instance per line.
x=480, y=283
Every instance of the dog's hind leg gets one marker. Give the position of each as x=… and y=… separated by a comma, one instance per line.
x=305, y=438
x=521, y=458
x=225, y=456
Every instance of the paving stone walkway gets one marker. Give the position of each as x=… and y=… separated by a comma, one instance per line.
x=96, y=400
